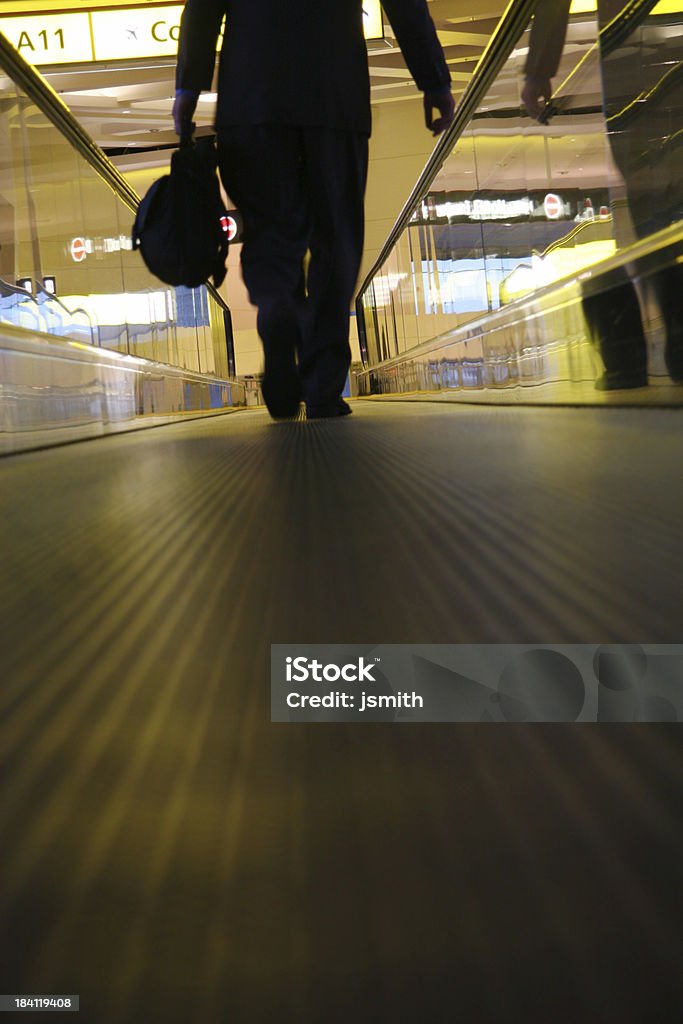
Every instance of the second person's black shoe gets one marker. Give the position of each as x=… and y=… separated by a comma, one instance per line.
x=328, y=410
x=621, y=380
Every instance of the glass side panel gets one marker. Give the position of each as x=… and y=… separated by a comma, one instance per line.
x=522, y=203
x=66, y=265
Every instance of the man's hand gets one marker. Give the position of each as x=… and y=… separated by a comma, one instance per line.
x=443, y=100
x=183, y=109
x=536, y=95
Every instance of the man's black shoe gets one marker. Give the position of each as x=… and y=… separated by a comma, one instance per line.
x=281, y=386
x=618, y=380
x=329, y=410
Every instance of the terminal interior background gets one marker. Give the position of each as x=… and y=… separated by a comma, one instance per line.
x=125, y=107
x=510, y=210
x=168, y=851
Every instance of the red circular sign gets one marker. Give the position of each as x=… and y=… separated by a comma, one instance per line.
x=229, y=225
x=78, y=250
x=553, y=206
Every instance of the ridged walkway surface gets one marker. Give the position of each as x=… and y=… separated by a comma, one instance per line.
x=170, y=855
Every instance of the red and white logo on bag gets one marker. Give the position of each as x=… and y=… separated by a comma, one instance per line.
x=229, y=225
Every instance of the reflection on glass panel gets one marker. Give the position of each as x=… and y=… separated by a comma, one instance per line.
x=547, y=190
x=639, y=58
x=66, y=261
x=446, y=245
x=518, y=206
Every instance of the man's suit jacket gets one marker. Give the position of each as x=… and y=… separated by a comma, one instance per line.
x=298, y=62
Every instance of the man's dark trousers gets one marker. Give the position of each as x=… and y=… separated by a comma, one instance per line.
x=300, y=190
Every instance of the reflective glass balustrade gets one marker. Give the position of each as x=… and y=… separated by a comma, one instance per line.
x=531, y=226
x=66, y=265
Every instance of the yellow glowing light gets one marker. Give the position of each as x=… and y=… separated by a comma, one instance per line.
x=562, y=263
x=557, y=265
x=119, y=309
x=123, y=34
x=663, y=7
x=372, y=19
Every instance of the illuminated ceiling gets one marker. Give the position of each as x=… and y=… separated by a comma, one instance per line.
x=128, y=103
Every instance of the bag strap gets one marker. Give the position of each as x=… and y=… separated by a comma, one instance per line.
x=186, y=137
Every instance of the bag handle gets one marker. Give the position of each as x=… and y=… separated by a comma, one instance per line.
x=186, y=136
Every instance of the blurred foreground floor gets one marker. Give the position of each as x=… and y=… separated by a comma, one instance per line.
x=170, y=855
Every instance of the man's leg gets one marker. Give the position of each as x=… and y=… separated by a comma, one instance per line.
x=262, y=170
x=336, y=172
x=615, y=325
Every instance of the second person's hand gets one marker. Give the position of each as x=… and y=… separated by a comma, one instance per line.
x=536, y=94
x=443, y=101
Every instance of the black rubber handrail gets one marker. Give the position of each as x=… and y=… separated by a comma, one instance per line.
x=40, y=92
x=620, y=28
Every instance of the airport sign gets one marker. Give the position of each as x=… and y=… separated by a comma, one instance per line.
x=134, y=33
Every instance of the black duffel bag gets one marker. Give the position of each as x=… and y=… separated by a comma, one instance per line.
x=180, y=224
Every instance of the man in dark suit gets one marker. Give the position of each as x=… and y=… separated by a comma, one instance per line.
x=293, y=121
